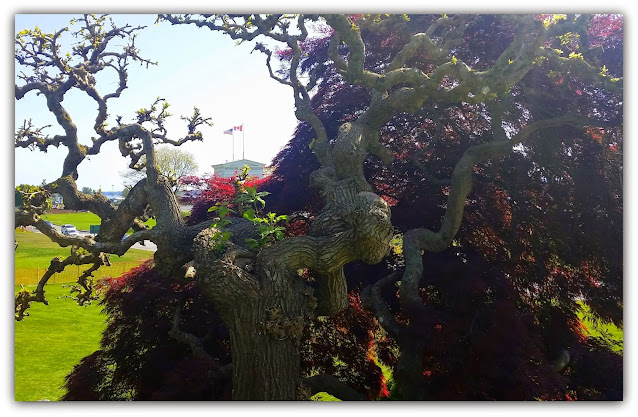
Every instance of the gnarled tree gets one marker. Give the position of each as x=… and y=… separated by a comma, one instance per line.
x=258, y=293
x=52, y=72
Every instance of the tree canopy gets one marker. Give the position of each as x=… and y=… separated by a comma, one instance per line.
x=173, y=163
x=452, y=193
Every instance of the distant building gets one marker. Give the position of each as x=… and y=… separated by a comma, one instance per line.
x=229, y=169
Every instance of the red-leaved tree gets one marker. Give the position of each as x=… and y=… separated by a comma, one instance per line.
x=455, y=195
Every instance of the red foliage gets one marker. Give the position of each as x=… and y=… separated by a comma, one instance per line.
x=542, y=227
x=546, y=219
x=137, y=359
x=606, y=30
x=345, y=346
x=205, y=192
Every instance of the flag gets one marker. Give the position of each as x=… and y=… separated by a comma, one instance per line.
x=228, y=132
x=240, y=128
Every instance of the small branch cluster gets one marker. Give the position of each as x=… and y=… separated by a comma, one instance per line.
x=53, y=73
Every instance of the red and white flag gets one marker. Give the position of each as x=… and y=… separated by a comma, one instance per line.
x=240, y=128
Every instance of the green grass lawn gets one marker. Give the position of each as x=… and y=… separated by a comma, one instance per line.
x=54, y=338
x=51, y=341
x=35, y=252
x=81, y=220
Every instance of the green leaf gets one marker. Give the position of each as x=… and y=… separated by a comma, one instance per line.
x=249, y=214
x=223, y=211
x=263, y=229
x=252, y=243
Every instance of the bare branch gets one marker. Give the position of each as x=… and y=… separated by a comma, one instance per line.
x=372, y=300
x=24, y=299
x=248, y=28
x=84, y=289
x=54, y=74
x=195, y=343
x=417, y=240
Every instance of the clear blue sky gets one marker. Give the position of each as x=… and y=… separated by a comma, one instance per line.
x=196, y=67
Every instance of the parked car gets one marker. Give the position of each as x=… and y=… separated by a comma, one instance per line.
x=70, y=230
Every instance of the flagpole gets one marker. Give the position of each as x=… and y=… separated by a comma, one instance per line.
x=243, y=144
x=233, y=133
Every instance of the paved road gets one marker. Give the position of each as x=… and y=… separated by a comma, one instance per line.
x=148, y=245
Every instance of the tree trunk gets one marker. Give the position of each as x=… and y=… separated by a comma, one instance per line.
x=331, y=293
x=261, y=298
x=265, y=366
x=409, y=369
x=265, y=308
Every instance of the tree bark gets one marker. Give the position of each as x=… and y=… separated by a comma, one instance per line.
x=265, y=304
x=265, y=350
x=265, y=312
x=409, y=370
